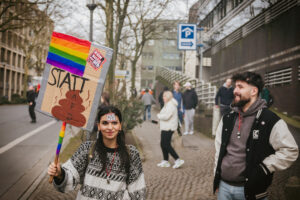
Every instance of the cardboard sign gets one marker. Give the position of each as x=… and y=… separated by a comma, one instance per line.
x=73, y=80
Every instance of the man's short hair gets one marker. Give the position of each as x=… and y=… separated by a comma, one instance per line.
x=146, y=90
x=251, y=78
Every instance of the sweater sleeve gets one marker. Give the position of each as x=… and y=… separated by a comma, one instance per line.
x=74, y=169
x=286, y=149
x=136, y=181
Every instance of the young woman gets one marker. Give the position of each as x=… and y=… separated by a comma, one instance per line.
x=168, y=119
x=107, y=168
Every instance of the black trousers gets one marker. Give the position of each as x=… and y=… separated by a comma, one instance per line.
x=165, y=143
x=31, y=112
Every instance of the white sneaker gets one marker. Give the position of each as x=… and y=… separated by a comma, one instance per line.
x=164, y=163
x=191, y=133
x=178, y=163
x=185, y=133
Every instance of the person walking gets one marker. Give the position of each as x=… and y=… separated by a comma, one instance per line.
x=107, y=168
x=168, y=121
x=251, y=144
x=160, y=97
x=190, y=101
x=178, y=96
x=31, y=95
x=147, y=100
x=225, y=94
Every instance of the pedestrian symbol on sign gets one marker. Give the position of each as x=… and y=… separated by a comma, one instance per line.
x=187, y=32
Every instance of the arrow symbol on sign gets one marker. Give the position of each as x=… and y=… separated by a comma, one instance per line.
x=187, y=44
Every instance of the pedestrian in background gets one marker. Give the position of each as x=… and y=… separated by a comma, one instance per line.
x=31, y=95
x=147, y=100
x=178, y=96
x=225, y=94
x=266, y=95
x=251, y=144
x=168, y=121
x=190, y=101
x=160, y=97
x=106, y=169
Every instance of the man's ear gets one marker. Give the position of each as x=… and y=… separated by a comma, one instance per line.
x=254, y=91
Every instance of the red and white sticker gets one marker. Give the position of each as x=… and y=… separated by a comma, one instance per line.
x=96, y=59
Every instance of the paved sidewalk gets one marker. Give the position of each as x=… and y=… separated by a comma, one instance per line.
x=192, y=181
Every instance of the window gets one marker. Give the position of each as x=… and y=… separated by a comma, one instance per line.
x=167, y=43
x=9, y=38
x=171, y=56
x=8, y=57
x=19, y=60
x=148, y=55
x=3, y=39
x=2, y=55
x=278, y=77
x=14, y=59
x=150, y=67
x=150, y=42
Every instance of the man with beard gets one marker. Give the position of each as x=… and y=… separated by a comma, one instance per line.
x=251, y=144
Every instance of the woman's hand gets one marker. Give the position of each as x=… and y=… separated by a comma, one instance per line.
x=54, y=170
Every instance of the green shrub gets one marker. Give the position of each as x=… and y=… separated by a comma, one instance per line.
x=132, y=111
x=4, y=100
x=17, y=99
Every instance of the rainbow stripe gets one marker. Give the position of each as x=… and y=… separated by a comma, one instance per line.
x=61, y=137
x=68, y=53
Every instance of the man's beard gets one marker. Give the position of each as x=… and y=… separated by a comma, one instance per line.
x=241, y=103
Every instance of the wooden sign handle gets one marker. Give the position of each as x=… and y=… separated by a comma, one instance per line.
x=55, y=162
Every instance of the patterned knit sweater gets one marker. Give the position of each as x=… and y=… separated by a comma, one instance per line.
x=78, y=170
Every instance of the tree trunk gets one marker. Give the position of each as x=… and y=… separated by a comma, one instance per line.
x=133, y=73
x=25, y=80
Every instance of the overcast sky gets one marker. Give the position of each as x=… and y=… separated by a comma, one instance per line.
x=77, y=23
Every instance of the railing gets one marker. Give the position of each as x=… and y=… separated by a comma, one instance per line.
x=205, y=91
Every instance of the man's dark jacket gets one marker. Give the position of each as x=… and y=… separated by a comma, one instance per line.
x=226, y=96
x=257, y=177
x=190, y=99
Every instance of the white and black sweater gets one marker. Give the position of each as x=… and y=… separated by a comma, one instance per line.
x=78, y=170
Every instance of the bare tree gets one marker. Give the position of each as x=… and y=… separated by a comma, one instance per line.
x=115, y=13
x=37, y=37
x=23, y=15
x=142, y=28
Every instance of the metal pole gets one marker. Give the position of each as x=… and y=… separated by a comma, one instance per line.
x=91, y=7
x=200, y=57
x=91, y=25
x=200, y=53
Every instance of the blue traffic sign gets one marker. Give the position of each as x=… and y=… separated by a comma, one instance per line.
x=186, y=36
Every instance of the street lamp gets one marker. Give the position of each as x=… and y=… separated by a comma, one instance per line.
x=91, y=5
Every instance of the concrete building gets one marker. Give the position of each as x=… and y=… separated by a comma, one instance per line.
x=12, y=54
x=160, y=51
x=253, y=35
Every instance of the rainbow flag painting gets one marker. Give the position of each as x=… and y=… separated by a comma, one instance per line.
x=68, y=53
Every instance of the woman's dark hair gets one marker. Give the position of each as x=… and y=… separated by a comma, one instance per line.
x=122, y=149
x=250, y=78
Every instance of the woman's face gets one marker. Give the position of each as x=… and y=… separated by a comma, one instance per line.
x=165, y=98
x=109, y=126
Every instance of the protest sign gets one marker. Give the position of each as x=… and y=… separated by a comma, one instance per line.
x=73, y=80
